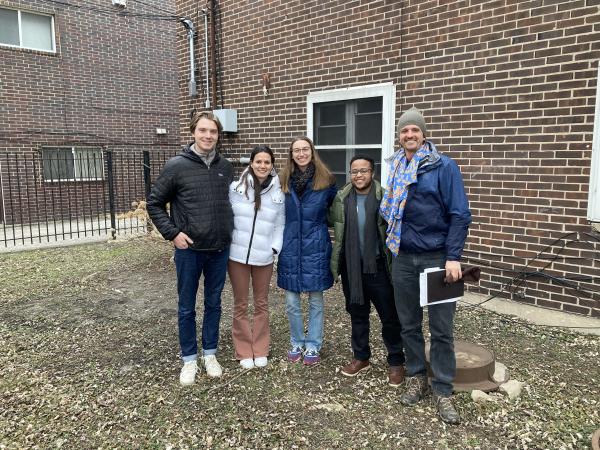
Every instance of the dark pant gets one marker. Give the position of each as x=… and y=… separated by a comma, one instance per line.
x=405, y=278
x=190, y=265
x=378, y=290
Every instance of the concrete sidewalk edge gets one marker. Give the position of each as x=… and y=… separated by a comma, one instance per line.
x=537, y=315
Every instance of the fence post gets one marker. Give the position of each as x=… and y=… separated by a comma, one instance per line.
x=147, y=181
x=147, y=185
x=111, y=194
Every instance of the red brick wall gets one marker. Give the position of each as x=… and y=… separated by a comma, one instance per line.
x=508, y=89
x=305, y=46
x=111, y=83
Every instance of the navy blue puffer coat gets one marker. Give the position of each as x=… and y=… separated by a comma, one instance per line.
x=304, y=260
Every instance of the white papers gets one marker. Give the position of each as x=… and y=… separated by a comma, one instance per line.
x=433, y=290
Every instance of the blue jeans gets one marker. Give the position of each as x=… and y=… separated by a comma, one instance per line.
x=405, y=279
x=190, y=264
x=314, y=338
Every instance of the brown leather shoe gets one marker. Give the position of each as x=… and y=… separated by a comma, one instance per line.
x=355, y=367
x=395, y=376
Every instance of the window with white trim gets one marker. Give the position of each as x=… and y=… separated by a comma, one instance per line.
x=352, y=121
x=593, y=212
x=23, y=29
x=72, y=164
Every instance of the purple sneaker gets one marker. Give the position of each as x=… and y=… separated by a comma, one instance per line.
x=311, y=358
x=295, y=354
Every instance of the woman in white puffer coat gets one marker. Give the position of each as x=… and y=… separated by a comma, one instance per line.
x=258, y=221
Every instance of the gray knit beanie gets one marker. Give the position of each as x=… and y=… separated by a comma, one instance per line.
x=412, y=117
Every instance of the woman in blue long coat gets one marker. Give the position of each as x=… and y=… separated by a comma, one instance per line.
x=303, y=265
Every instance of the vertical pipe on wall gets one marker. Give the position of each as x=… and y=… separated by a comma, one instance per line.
x=207, y=102
x=189, y=26
x=213, y=55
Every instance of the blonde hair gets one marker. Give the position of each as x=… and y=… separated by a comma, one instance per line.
x=322, y=178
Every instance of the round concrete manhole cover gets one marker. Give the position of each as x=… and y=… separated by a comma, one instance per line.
x=596, y=440
x=475, y=367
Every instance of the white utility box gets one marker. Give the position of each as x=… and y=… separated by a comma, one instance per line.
x=228, y=118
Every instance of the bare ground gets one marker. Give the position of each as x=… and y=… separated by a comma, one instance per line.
x=90, y=360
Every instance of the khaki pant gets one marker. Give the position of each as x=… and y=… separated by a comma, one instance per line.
x=250, y=341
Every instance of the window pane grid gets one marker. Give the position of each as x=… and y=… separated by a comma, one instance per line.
x=72, y=164
x=361, y=133
x=9, y=27
x=26, y=30
x=36, y=31
x=87, y=164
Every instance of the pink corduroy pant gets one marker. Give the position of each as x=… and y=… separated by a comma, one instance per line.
x=250, y=340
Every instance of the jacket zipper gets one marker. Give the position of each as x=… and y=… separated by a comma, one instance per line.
x=254, y=223
x=251, y=236
x=300, y=240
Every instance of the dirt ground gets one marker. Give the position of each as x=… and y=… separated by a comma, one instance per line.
x=89, y=359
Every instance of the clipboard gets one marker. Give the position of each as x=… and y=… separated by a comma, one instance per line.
x=434, y=290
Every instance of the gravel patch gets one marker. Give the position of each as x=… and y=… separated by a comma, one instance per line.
x=90, y=360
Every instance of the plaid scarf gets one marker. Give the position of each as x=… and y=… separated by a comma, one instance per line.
x=401, y=176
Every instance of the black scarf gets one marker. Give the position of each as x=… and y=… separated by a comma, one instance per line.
x=352, y=250
x=265, y=184
x=300, y=179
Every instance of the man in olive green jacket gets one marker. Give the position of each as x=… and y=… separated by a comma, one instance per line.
x=363, y=261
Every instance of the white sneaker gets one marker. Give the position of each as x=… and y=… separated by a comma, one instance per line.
x=187, y=376
x=261, y=361
x=247, y=363
x=212, y=366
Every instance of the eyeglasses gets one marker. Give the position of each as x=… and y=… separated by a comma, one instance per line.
x=355, y=172
x=304, y=150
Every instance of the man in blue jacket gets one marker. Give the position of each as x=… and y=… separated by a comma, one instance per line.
x=428, y=217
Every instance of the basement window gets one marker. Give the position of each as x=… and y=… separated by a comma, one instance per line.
x=352, y=121
x=72, y=164
x=22, y=29
x=345, y=129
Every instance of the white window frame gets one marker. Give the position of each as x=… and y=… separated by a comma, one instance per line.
x=388, y=115
x=593, y=212
x=52, y=31
x=76, y=167
x=2, y=197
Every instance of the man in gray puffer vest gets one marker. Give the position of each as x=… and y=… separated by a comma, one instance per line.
x=200, y=223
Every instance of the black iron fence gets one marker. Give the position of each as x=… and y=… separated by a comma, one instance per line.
x=57, y=194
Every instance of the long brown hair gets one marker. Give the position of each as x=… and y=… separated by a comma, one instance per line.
x=250, y=173
x=322, y=178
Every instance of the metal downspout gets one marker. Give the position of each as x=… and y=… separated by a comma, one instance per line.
x=207, y=102
x=213, y=52
x=189, y=26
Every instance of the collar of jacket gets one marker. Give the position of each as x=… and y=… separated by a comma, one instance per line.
x=191, y=154
x=240, y=188
x=345, y=191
